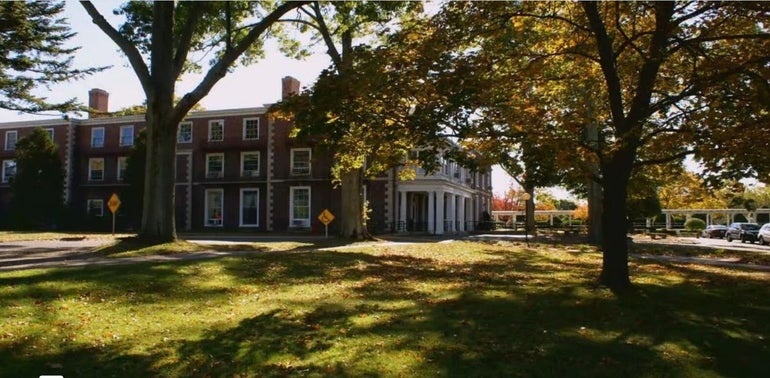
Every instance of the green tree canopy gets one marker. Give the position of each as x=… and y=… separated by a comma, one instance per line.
x=34, y=53
x=38, y=187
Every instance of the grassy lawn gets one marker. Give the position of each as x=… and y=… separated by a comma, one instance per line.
x=738, y=256
x=13, y=236
x=433, y=309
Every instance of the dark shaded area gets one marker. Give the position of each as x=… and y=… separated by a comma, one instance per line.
x=504, y=316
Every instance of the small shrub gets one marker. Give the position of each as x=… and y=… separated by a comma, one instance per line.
x=694, y=224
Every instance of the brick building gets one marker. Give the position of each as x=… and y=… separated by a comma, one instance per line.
x=239, y=169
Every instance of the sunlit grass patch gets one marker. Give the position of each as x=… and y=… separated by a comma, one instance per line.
x=13, y=236
x=425, y=309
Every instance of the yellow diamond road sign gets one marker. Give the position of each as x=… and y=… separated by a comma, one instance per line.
x=113, y=203
x=326, y=217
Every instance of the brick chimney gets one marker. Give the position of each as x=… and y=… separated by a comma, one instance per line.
x=98, y=100
x=290, y=87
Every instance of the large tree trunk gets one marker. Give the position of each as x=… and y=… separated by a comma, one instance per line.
x=595, y=201
x=158, y=208
x=352, y=206
x=529, y=210
x=615, y=274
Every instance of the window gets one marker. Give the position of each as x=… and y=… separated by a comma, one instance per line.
x=300, y=161
x=50, y=133
x=95, y=207
x=250, y=207
x=213, y=209
x=126, y=135
x=299, y=206
x=251, y=128
x=250, y=164
x=215, y=165
x=216, y=131
x=97, y=137
x=96, y=169
x=9, y=170
x=11, y=137
x=184, y=133
x=122, y=161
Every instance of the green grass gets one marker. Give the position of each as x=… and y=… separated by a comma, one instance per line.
x=737, y=256
x=450, y=309
x=14, y=236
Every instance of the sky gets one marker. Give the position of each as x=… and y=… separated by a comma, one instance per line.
x=249, y=86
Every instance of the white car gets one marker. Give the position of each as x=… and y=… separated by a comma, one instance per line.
x=764, y=234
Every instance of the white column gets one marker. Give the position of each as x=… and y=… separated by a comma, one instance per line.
x=402, y=211
x=452, y=212
x=439, y=212
x=668, y=221
x=431, y=213
x=462, y=214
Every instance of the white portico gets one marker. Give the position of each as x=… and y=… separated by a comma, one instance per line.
x=450, y=201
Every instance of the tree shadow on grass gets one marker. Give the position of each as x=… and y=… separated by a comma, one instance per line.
x=396, y=314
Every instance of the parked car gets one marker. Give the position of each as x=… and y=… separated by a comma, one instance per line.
x=743, y=231
x=716, y=231
x=764, y=234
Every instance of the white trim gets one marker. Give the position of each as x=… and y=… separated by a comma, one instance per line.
x=213, y=122
x=293, y=221
x=222, y=172
x=240, y=208
x=16, y=136
x=124, y=159
x=259, y=162
x=120, y=136
x=32, y=124
x=246, y=120
x=179, y=129
x=5, y=180
x=51, y=133
x=101, y=207
x=92, y=137
x=206, y=214
x=90, y=160
x=309, y=161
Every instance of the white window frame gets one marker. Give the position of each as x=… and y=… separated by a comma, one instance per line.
x=122, y=163
x=50, y=132
x=299, y=222
x=221, y=173
x=207, y=218
x=293, y=169
x=90, y=171
x=243, y=163
x=245, y=121
x=101, y=207
x=6, y=163
x=221, y=124
x=179, y=132
x=11, y=146
x=94, y=145
x=241, y=209
x=121, y=137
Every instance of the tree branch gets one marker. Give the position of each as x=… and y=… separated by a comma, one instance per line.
x=185, y=38
x=128, y=48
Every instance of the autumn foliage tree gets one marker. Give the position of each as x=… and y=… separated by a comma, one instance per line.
x=648, y=77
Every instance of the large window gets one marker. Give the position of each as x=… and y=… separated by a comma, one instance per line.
x=96, y=169
x=299, y=206
x=50, y=133
x=213, y=210
x=215, y=165
x=216, y=131
x=251, y=128
x=9, y=170
x=95, y=207
x=184, y=133
x=250, y=207
x=250, y=164
x=126, y=135
x=300, y=161
x=97, y=137
x=11, y=137
x=122, y=162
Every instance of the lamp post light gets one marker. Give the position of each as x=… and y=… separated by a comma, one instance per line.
x=525, y=197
